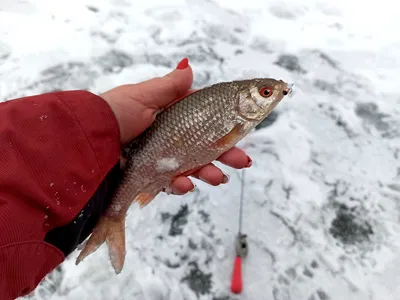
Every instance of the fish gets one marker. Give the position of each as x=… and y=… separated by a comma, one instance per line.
x=185, y=136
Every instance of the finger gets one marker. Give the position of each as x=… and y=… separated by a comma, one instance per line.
x=136, y=105
x=159, y=92
x=211, y=175
x=235, y=158
x=181, y=185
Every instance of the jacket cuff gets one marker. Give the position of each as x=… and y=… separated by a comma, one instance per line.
x=24, y=265
x=99, y=124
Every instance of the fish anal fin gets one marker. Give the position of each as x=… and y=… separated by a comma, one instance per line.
x=145, y=198
x=151, y=191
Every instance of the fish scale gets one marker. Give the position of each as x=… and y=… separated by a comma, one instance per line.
x=186, y=113
x=189, y=134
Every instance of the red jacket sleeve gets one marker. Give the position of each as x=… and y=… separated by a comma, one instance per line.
x=55, y=149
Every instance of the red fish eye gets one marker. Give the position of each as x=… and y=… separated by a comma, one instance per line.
x=266, y=91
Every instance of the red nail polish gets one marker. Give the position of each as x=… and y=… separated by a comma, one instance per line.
x=183, y=64
x=250, y=162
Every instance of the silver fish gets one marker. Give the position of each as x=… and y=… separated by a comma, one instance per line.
x=185, y=136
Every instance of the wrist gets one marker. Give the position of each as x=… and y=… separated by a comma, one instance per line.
x=108, y=98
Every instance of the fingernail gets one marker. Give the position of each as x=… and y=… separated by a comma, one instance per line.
x=226, y=178
x=183, y=64
x=249, y=162
x=193, y=189
x=177, y=193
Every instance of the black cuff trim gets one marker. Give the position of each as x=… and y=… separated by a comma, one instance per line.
x=68, y=237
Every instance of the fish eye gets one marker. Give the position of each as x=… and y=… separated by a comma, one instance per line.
x=266, y=91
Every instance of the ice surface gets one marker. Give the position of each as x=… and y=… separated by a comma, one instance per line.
x=322, y=198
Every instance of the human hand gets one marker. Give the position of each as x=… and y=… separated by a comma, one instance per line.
x=136, y=105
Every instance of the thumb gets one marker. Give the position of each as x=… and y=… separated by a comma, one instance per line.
x=135, y=105
x=159, y=92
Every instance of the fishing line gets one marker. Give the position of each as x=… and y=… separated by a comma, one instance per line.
x=241, y=242
x=242, y=181
x=241, y=197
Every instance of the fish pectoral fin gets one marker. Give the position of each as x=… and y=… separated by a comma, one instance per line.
x=111, y=231
x=230, y=138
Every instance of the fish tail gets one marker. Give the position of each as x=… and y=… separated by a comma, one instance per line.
x=111, y=231
x=111, y=227
x=116, y=244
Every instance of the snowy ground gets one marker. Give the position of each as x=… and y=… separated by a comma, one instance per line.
x=322, y=198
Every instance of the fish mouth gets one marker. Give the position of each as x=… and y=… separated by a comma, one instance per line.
x=287, y=88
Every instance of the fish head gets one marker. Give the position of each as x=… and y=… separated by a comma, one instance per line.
x=258, y=97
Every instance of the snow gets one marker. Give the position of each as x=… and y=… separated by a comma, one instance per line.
x=322, y=197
